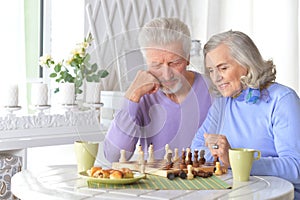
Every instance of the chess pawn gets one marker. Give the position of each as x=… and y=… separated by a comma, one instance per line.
x=218, y=169
x=122, y=156
x=141, y=158
x=176, y=155
x=150, y=154
x=190, y=174
x=202, y=159
x=167, y=148
x=139, y=148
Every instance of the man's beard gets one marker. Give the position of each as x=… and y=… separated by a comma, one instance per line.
x=172, y=90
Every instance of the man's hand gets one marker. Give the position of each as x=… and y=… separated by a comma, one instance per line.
x=144, y=83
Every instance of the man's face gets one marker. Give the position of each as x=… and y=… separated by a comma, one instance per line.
x=167, y=66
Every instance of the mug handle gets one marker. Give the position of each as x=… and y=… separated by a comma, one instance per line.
x=258, y=155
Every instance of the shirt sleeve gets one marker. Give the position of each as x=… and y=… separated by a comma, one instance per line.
x=286, y=126
x=122, y=133
x=210, y=125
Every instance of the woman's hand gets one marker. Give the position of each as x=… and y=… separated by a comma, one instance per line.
x=218, y=146
x=144, y=83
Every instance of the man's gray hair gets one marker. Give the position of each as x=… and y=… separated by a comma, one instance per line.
x=165, y=31
x=245, y=52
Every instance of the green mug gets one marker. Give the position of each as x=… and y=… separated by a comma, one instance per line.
x=241, y=160
x=86, y=153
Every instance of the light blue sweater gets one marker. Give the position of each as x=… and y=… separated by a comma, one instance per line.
x=271, y=125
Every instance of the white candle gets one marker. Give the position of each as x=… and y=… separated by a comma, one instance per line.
x=92, y=92
x=11, y=97
x=67, y=93
x=39, y=94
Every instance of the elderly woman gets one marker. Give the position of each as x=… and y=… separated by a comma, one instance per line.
x=253, y=111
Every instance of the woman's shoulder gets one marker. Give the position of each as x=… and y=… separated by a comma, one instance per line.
x=277, y=90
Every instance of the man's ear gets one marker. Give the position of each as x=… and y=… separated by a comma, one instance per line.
x=188, y=60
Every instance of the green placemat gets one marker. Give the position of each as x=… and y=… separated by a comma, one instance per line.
x=162, y=183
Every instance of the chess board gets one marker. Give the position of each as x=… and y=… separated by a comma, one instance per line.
x=157, y=167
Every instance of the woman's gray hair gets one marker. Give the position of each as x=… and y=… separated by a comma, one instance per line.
x=165, y=31
x=245, y=52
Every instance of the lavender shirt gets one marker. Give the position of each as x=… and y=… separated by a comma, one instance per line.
x=157, y=120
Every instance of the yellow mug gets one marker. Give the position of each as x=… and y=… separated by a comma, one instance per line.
x=241, y=160
x=86, y=153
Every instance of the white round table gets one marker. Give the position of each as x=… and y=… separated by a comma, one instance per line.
x=62, y=182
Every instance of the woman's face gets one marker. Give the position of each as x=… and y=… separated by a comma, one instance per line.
x=224, y=71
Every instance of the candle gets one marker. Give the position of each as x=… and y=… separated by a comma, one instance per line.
x=11, y=95
x=92, y=93
x=67, y=93
x=39, y=94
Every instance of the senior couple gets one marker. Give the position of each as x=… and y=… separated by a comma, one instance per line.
x=239, y=104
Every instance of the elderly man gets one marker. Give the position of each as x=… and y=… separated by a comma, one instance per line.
x=166, y=103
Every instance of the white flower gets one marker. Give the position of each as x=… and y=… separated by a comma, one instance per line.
x=43, y=61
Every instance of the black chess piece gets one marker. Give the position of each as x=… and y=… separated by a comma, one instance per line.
x=202, y=160
x=195, y=161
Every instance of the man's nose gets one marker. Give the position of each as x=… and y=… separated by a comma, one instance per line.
x=167, y=72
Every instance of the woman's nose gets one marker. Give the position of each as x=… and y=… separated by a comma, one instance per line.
x=217, y=76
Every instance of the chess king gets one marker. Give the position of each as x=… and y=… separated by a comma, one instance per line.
x=165, y=104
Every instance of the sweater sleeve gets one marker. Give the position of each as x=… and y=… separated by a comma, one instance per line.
x=210, y=125
x=122, y=133
x=286, y=126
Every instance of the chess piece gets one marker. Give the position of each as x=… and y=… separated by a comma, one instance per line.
x=188, y=150
x=182, y=164
x=195, y=161
x=140, y=148
x=122, y=156
x=189, y=158
x=218, y=169
x=176, y=155
x=167, y=148
x=150, y=154
x=202, y=159
x=216, y=159
x=190, y=174
x=141, y=158
x=182, y=174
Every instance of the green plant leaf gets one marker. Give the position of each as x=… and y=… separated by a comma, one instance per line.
x=53, y=75
x=103, y=73
x=57, y=68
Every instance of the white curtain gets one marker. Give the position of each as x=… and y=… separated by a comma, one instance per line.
x=12, y=51
x=272, y=24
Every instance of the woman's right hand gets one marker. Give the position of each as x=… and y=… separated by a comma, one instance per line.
x=218, y=146
x=144, y=83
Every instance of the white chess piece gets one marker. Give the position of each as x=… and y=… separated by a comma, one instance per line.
x=167, y=148
x=188, y=150
x=176, y=156
x=150, y=154
x=122, y=156
x=141, y=158
x=139, y=148
x=190, y=174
